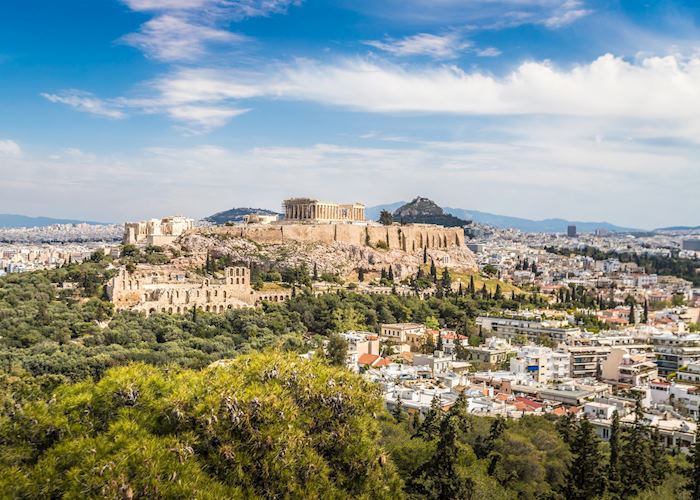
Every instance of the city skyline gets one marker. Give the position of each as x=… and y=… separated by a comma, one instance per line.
x=125, y=109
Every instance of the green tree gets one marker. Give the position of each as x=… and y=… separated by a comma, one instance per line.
x=613, y=472
x=635, y=459
x=337, y=350
x=385, y=218
x=430, y=426
x=446, y=280
x=397, y=410
x=694, y=472
x=433, y=271
x=585, y=476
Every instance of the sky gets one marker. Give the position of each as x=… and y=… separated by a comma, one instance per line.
x=119, y=110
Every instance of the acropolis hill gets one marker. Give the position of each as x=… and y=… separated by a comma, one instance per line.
x=334, y=237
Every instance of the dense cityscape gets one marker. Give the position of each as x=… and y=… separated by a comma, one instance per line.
x=333, y=249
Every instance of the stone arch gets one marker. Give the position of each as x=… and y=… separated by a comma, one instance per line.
x=152, y=310
x=170, y=310
x=206, y=309
x=179, y=310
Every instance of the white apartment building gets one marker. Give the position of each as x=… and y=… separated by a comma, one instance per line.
x=674, y=351
x=541, y=363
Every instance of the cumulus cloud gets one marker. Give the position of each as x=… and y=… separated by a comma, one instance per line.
x=86, y=102
x=446, y=46
x=666, y=88
x=10, y=148
x=661, y=93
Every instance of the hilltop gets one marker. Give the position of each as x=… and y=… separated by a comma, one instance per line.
x=235, y=215
x=552, y=225
x=425, y=211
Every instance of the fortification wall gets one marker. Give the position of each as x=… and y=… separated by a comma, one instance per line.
x=408, y=238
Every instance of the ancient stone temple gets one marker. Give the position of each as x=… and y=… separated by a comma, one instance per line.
x=310, y=210
x=156, y=231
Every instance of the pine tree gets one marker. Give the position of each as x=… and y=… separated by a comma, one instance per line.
x=430, y=426
x=614, y=460
x=585, y=478
x=566, y=427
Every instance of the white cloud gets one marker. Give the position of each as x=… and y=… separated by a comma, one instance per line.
x=202, y=119
x=446, y=46
x=229, y=8
x=86, y=102
x=561, y=170
x=666, y=88
x=182, y=30
x=569, y=12
x=171, y=38
x=479, y=14
x=488, y=52
x=10, y=148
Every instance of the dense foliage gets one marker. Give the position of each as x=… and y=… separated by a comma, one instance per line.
x=57, y=322
x=266, y=425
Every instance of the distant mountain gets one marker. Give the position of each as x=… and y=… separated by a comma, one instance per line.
x=504, y=221
x=425, y=211
x=678, y=228
x=14, y=220
x=235, y=215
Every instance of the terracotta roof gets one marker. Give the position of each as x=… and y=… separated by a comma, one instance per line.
x=373, y=360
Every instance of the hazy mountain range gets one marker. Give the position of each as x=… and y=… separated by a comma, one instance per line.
x=505, y=221
x=14, y=220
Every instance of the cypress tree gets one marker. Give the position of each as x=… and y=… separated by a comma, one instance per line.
x=433, y=271
x=566, y=426
x=585, y=477
x=390, y=274
x=439, y=346
x=425, y=255
x=446, y=280
x=694, y=484
x=472, y=286
x=631, y=318
x=460, y=292
x=498, y=295
x=636, y=463
x=397, y=410
x=645, y=317
x=315, y=277
x=361, y=275
x=614, y=461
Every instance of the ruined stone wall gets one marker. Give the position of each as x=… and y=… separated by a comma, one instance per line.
x=408, y=238
x=166, y=292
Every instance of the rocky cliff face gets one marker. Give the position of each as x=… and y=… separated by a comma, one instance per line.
x=336, y=257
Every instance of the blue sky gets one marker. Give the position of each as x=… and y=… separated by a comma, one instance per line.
x=124, y=109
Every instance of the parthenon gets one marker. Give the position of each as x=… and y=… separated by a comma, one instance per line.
x=307, y=209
